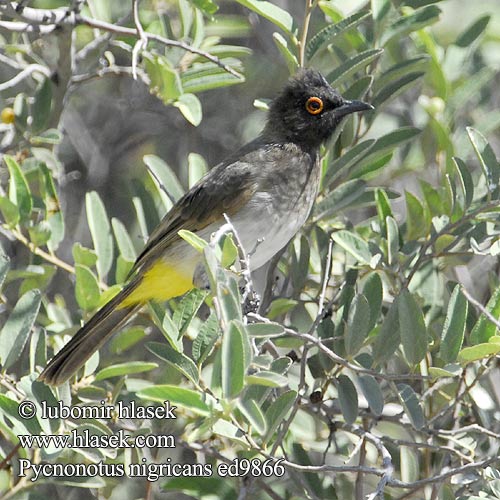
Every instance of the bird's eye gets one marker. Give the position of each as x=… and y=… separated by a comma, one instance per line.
x=314, y=105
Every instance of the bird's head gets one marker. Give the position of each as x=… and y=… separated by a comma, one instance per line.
x=308, y=110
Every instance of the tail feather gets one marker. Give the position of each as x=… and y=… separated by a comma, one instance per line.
x=89, y=338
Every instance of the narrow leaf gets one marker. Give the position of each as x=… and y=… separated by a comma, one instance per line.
x=348, y=398
x=277, y=412
x=412, y=328
x=125, y=369
x=327, y=34
x=123, y=240
x=17, y=328
x=100, y=229
x=165, y=176
x=353, y=244
x=452, y=336
x=19, y=191
x=175, y=359
x=190, y=107
x=233, y=360
x=373, y=393
x=412, y=406
x=358, y=322
x=186, y=398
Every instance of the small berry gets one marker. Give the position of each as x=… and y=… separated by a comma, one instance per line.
x=8, y=117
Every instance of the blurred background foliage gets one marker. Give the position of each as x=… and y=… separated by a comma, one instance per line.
x=371, y=364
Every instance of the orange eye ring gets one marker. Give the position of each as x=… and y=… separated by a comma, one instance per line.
x=314, y=105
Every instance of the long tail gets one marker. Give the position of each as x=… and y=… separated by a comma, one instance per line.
x=89, y=338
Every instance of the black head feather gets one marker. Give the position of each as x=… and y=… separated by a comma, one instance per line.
x=289, y=119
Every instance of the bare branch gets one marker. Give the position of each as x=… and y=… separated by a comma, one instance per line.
x=29, y=70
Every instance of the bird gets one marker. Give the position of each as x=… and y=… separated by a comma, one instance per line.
x=267, y=190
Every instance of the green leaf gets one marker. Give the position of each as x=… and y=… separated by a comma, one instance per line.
x=268, y=379
x=348, y=399
x=253, y=414
x=17, y=328
x=50, y=136
x=465, y=179
x=231, y=431
x=265, y=330
x=417, y=218
x=100, y=229
x=84, y=256
x=280, y=306
x=53, y=215
x=487, y=160
x=126, y=338
x=229, y=252
x=175, y=359
x=452, y=336
x=392, y=240
x=124, y=369
x=165, y=81
x=358, y=322
x=472, y=32
x=190, y=106
x=187, y=308
x=414, y=65
x=388, y=338
x=341, y=73
x=4, y=266
x=412, y=407
x=187, y=399
x=339, y=198
x=86, y=288
x=277, y=412
x=41, y=106
x=289, y=57
x=380, y=8
x=233, y=360
x=477, y=352
x=193, y=239
x=373, y=393
x=164, y=176
x=197, y=168
x=10, y=408
x=386, y=143
x=19, y=191
x=211, y=78
x=395, y=88
x=412, y=328
x=373, y=291
x=229, y=301
x=205, y=341
x=353, y=244
x=208, y=7
x=123, y=240
x=413, y=22
x=327, y=34
x=273, y=13
x=347, y=160
x=383, y=205
x=9, y=211
x=484, y=329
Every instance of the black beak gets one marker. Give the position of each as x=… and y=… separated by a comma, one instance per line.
x=349, y=107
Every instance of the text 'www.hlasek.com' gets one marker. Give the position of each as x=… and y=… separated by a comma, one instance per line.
x=86, y=436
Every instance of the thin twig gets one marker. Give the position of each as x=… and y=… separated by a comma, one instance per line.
x=480, y=306
x=142, y=42
x=305, y=29
x=338, y=359
x=29, y=70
